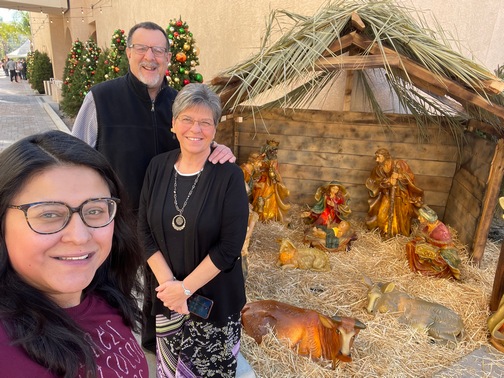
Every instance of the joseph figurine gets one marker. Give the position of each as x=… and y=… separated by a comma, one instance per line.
x=393, y=196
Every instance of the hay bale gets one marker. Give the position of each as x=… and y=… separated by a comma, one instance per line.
x=386, y=347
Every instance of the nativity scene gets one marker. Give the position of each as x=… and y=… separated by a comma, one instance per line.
x=395, y=167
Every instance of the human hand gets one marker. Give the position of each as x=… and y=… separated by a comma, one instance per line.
x=173, y=297
x=221, y=154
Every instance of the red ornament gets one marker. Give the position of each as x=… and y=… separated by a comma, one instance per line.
x=186, y=81
x=122, y=31
x=167, y=73
x=118, y=40
x=176, y=34
x=179, y=23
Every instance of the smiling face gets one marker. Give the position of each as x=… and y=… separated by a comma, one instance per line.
x=62, y=264
x=148, y=68
x=195, y=139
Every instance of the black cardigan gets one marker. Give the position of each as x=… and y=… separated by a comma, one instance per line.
x=222, y=212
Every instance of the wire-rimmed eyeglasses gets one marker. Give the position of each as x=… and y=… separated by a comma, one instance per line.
x=189, y=122
x=140, y=49
x=50, y=217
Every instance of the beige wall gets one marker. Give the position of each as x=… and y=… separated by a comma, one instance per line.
x=229, y=31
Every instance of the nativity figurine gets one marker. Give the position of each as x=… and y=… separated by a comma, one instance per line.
x=311, y=333
x=332, y=206
x=393, y=196
x=432, y=252
x=331, y=239
x=268, y=194
x=291, y=257
x=438, y=321
x=496, y=327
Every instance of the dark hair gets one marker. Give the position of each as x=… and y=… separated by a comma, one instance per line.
x=149, y=26
x=33, y=321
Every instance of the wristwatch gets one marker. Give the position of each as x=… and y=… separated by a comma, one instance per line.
x=186, y=290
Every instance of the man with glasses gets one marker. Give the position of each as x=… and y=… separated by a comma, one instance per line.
x=128, y=119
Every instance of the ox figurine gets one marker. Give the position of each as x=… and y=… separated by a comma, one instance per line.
x=439, y=321
x=312, y=333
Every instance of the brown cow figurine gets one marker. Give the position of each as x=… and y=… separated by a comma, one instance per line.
x=312, y=333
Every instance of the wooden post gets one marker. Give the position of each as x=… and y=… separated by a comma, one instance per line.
x=489, y=202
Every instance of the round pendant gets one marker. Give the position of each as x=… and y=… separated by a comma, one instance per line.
x=178, y=222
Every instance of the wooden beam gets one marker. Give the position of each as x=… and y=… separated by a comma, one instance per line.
x=456, y=90
x=489, y=202
x=357, y=22
x=356, y=62
x=340, y=45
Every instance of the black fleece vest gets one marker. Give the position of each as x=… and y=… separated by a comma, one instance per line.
x=131, y=129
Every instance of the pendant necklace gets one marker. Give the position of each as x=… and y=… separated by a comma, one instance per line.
x=178, y=221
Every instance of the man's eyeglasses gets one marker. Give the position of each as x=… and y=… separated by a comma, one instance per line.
x=188, y=122
x=142, y=49
x=51, y=217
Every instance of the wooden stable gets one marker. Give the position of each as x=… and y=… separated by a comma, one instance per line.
x=461, y=181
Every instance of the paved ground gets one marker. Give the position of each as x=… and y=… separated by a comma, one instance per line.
x=23, y=112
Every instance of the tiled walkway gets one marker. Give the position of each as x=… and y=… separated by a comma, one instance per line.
x=22, y=112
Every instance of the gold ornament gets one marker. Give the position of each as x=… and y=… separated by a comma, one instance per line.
x=187, y=46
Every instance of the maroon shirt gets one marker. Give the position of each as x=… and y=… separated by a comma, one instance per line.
x=117, y=352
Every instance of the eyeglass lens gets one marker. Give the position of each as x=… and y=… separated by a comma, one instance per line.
x=53, y=217
x=142, y=49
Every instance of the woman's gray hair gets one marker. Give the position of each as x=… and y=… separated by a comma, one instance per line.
x=196, y=94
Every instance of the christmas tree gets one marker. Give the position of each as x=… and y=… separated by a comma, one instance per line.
x=184, y=56
x=70, y=104
x=117, y=61
x=78, y=74
x=89, y=63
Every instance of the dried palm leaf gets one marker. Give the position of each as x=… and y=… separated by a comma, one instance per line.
x=285, y=73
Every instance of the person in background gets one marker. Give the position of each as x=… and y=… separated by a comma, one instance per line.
x=193, y=221
x=129, y=120
x=11, y=67
x=68, y=264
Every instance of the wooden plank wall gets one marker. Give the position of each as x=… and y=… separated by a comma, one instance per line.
x=465, y=201
x=320, y=146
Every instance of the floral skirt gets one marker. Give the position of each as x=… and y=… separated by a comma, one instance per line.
x=190, y=348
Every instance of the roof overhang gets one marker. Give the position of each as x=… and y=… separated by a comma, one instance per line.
x=44, y=6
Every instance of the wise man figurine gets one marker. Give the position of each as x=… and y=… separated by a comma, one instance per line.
x=269, y=194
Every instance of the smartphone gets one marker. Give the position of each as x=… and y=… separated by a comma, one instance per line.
x=200, y=305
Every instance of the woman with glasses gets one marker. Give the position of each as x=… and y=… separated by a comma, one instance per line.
x=68, y=264
x=193, y=219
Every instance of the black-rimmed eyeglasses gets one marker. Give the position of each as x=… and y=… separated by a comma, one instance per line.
x=51, y=216
x=140, y=49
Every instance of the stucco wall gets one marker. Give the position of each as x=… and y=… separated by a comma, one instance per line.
x=227, y=32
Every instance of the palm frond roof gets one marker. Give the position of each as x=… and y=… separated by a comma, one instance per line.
x=301, y=55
